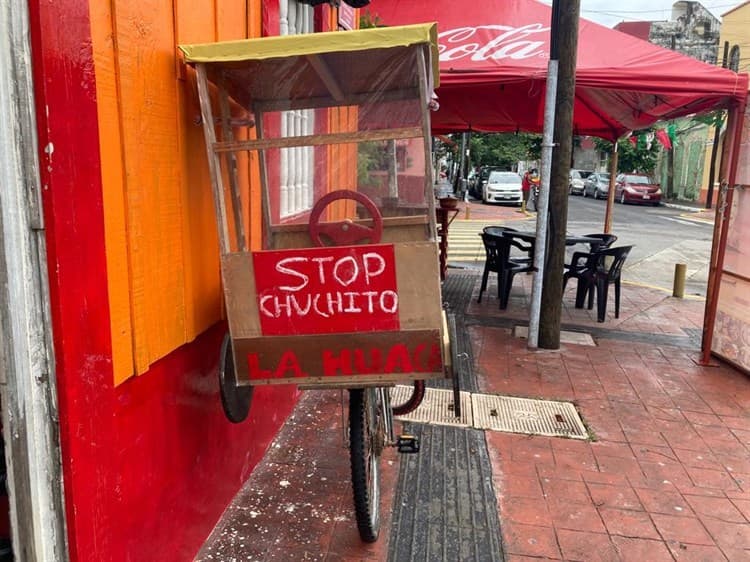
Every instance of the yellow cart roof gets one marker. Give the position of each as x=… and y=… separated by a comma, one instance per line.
x=316, y=44
x=331, y=68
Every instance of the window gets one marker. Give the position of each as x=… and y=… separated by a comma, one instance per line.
x=734, y=58
x=297, y=170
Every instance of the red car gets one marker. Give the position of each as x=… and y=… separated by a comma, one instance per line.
x=637, y=188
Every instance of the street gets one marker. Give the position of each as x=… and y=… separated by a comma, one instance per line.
x=661, y=237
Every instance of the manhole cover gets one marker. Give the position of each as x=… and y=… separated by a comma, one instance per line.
x=523, y=415
x=437, y=407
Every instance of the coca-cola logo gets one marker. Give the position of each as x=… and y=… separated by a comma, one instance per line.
x=493, y=42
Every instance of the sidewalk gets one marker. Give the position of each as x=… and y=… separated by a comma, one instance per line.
x=666, y=476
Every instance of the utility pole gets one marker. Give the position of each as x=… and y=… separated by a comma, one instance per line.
x=566, y=40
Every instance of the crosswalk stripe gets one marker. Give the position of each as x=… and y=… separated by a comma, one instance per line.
x=687, y=221
x=464, y=243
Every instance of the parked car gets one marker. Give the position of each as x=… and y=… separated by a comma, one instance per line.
x=575, y=183
x=585, y=173
x=480, y=179
x=502, y=187
x=596, y=185
x=637, y=188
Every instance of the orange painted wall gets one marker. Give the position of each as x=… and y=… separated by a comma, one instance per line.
x=161, y=242
x=162, y=251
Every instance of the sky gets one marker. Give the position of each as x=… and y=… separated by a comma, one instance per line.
x=609, y=13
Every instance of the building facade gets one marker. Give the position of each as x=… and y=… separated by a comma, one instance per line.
x=119, y=211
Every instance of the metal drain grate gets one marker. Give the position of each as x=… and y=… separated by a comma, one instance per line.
x=522, y=415
x=496, y=413
x=437, y=407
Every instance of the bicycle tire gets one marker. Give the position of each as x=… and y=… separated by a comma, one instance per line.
x=235, y=399
x=365, y=447
x=414, y=400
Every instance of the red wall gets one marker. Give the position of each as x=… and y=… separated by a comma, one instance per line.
x=149, y=465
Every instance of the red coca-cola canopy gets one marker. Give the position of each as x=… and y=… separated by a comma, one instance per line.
x=493, y=67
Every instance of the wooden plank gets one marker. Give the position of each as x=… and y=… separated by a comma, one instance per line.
x=301, y=239
x=356, y=358
x=388, y=222
x=30, y=418
x=195, y=23
x=424, y=97
x=147, y=81
x=214, y=165
x=318, y=103
x=231, y=19
x=231, y=160
x=265, y=200
x=318, y=140
x=240, y=294
x=418, y=280
x=113, y=192
x=324, y=73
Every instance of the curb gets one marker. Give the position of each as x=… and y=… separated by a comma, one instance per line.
x=684, y=207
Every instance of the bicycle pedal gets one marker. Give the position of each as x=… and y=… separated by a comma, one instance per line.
x=407, y=444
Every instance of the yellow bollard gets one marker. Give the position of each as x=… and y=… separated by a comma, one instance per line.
x=523, y=208
x=467, y=213
x=678, y=289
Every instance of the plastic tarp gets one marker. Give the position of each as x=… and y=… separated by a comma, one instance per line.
x=493, y=65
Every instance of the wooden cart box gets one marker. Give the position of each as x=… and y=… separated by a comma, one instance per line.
x=337, y=316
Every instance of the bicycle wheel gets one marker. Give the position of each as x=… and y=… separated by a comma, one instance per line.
x=411, y=403
x=235, y=399
x=366, y=442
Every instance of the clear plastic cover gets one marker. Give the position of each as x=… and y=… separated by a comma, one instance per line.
x=323, y=127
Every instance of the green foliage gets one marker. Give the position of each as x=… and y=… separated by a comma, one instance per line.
x=632, y=158
x=371, y=156
x=504, y=149
x=367, y=20
x=713, y=118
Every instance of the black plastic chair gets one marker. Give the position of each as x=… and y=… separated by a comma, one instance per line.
x=497, y=249
x=606, y=240
x=601, y=269
x=527, y=248
x=583, y=261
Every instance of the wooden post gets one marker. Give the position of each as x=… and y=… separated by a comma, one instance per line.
x=566, y=37
x=611, y=189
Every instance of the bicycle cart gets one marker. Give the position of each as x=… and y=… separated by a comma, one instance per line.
x=343, y=290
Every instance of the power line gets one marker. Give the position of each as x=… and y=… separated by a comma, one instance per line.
x=653, y=10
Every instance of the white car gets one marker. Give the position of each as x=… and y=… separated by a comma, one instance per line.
x=502, y=187
x=575, y=183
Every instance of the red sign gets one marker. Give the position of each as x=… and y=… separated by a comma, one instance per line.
x=327, y=290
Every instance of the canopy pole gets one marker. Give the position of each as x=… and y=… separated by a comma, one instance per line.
x=611, y=189
x=566, y=35
x=542, y=203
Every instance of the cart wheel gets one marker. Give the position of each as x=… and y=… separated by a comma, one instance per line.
x=366, y=442
x=235, y=399
x=411, y=404
x=345, y=233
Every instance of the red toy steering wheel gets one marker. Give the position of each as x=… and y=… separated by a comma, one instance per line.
x=346, y=232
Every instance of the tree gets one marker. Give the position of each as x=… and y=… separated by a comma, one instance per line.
x=631, y=158
x=504, y=149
